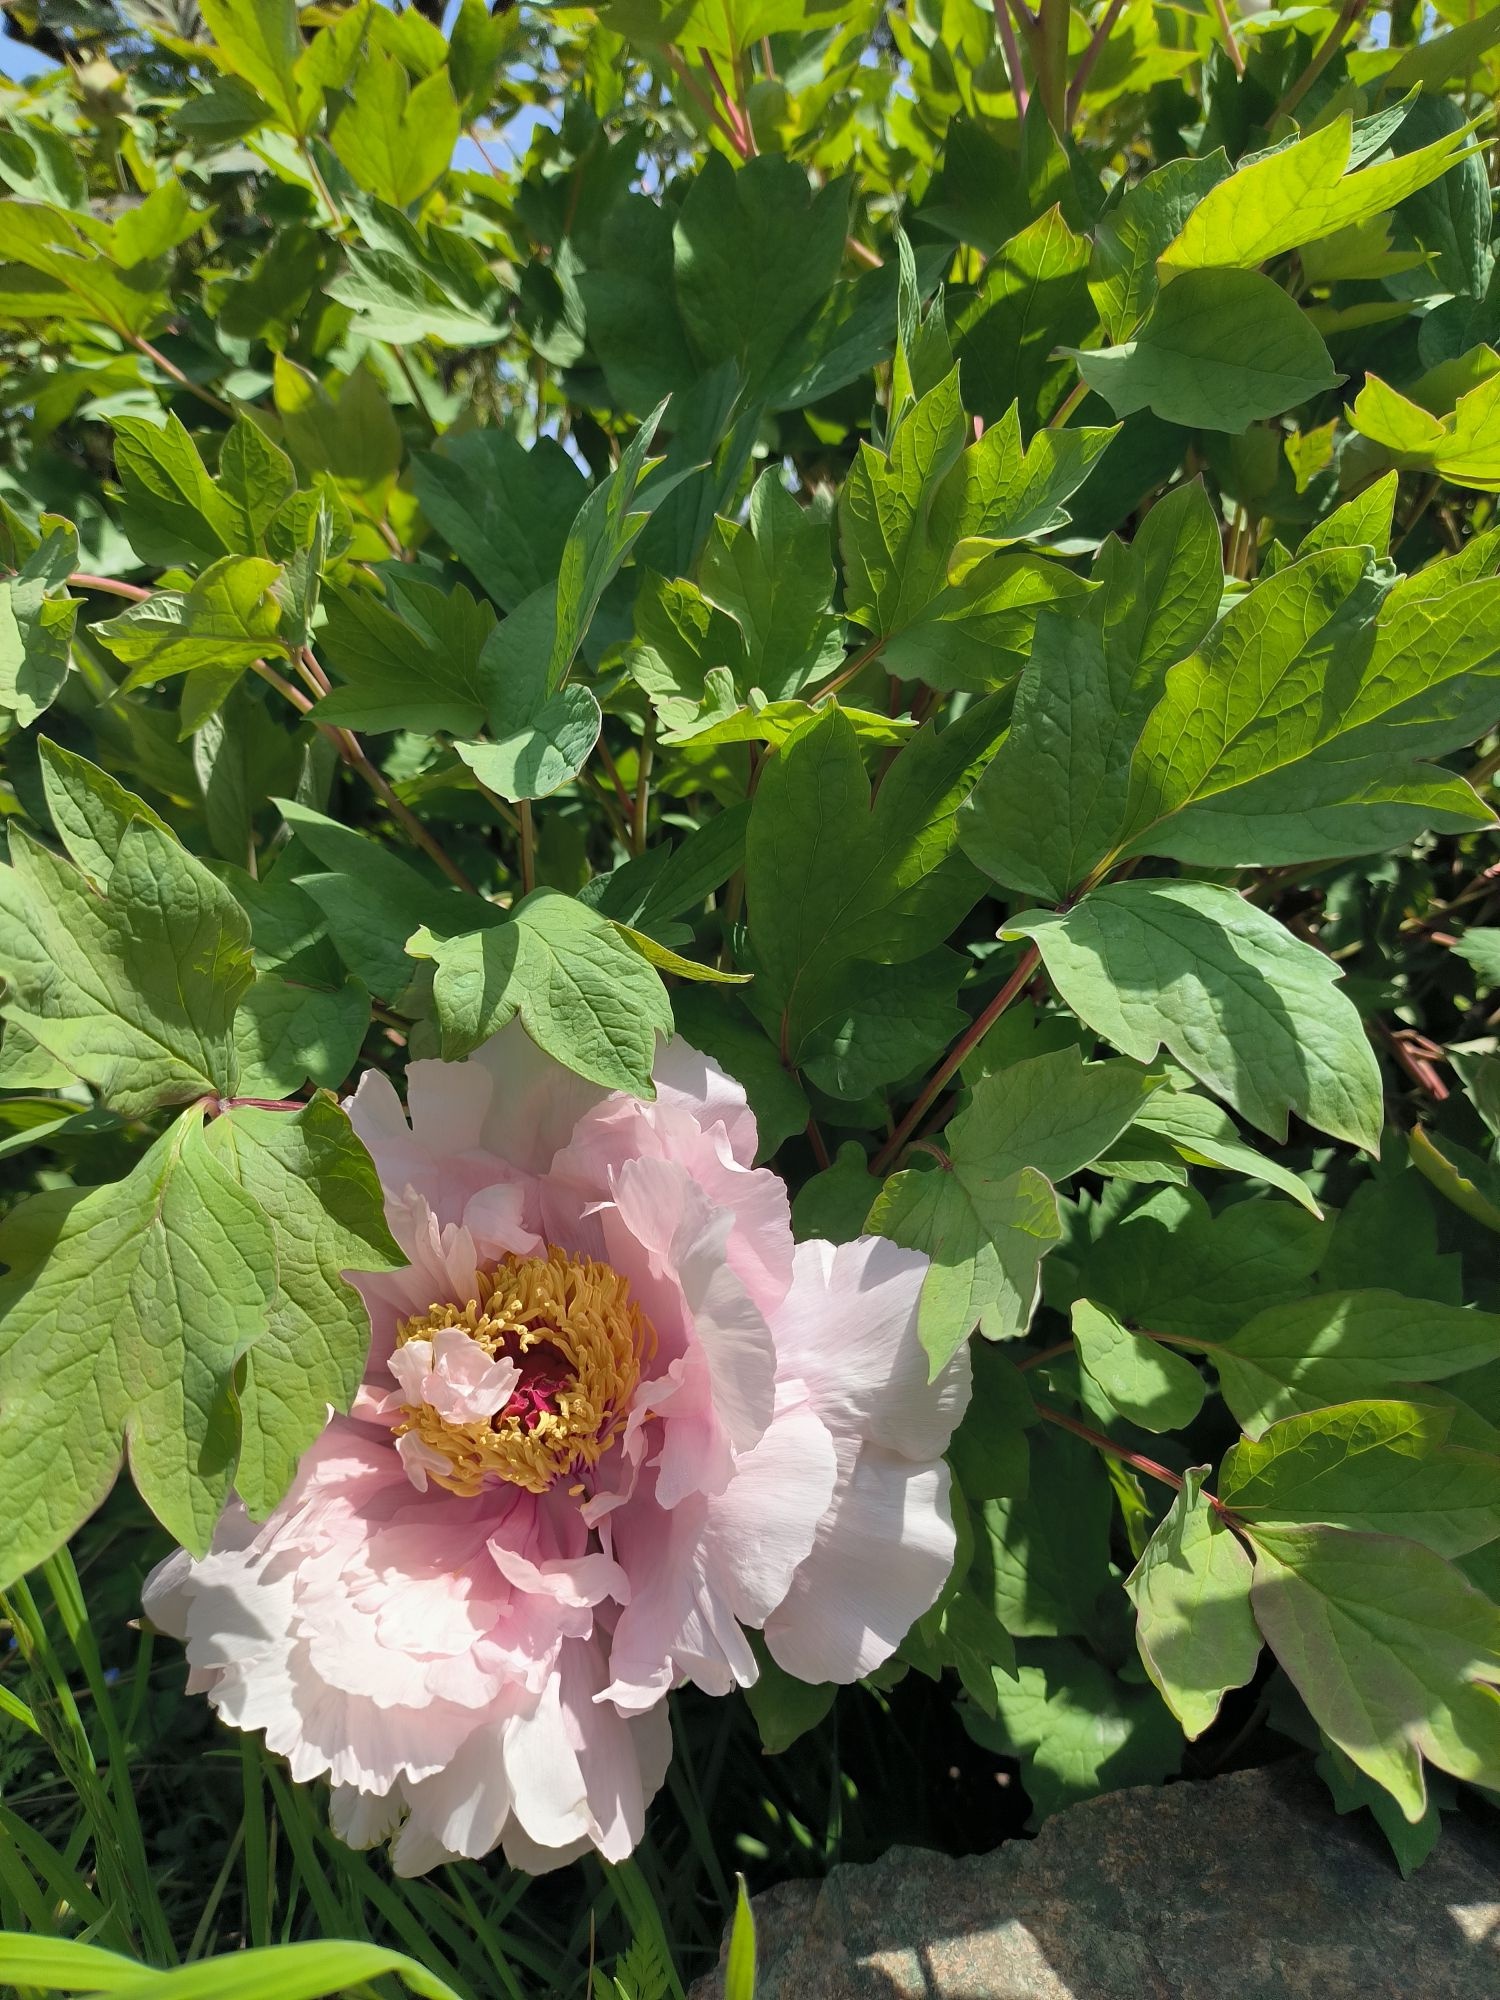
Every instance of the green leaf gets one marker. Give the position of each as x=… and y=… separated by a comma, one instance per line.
x=892, y=1024
x=1236, y=764
x=583, y=994
x=37, y=617
x=990, y=1454
x=134, y=990
x=286, y=1034
x=831, y=879
x=989, y=1217
x=1250, y=1010
x=548, y=751
x=1206, y=1136
x=1462, y=447
x=1172, y=1265
x=1050, y=804
x=774, y=578
x=276, y=1972
x=986, y=1240
x=1147, y=1383
x=348, y=431
x=784, y=1707
x=124, y=1313
x=396, y=140
x=416, y=661
x=1137, y=228
x=1481, y=948
x=503, y=510
x=719, y=1026
x=1337, y=1347
x=1191, y=1592
x=1032, y=299
x=315, y=1184
x=174, y=511
x=258, y=40
x=1394, y=1652
x=604, y=530
x=58, y=267
x=1300, y=193
x=1219, y=350
x=1041, y=1559
x=396, y=294
x=739, y=1960
x=1077, y=1728
x=255, y=479
x=227, y=619
x=1469, y=1182
x=904, y=513
x=1410, y=1842
x=1380, y=1466
x=755, y=253
x=370, y=900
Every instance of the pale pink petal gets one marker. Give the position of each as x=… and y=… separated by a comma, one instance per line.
x=762, y=1527
x=461, y=1812
x=883, y=1553
x=363, y=1819
x=848, y=1331
x=532, y=1103
x=685, y=1075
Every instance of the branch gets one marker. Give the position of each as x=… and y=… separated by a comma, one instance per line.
x=1091, y=55
x=975, y=1033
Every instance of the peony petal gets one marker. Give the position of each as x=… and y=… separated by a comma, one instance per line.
x=362, y=1819
x=848, y=1331
x=763, y=1526
x=685, y=1075
x=460, y=1813
x=883, y=1553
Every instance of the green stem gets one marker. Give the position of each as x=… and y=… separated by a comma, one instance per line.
x=528, y=848
x=1349, y=14
x=170, y=369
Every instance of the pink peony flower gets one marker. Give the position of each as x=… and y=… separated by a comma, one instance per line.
x=611, y=1418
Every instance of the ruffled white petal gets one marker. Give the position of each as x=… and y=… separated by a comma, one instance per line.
x=883, y=1553
x=848, y=1330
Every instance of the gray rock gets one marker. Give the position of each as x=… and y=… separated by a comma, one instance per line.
x=1246, y=1887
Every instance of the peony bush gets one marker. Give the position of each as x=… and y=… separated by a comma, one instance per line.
x=749, y=1090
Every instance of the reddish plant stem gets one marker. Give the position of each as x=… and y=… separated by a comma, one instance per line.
x=1068, y=405
x=975, y=1033
x=1043, y=1355
x=1137, y=1461
x=819, y=1144
x=83, y=580
x=1005, y=28
x=1231, y=40
x=705, y=102
x=1091, y=55
x=612, y=772
x=352, y=751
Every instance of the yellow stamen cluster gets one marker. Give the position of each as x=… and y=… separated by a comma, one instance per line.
x=598, y=1336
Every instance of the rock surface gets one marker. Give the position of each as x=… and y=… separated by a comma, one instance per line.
x=1246, y=1887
